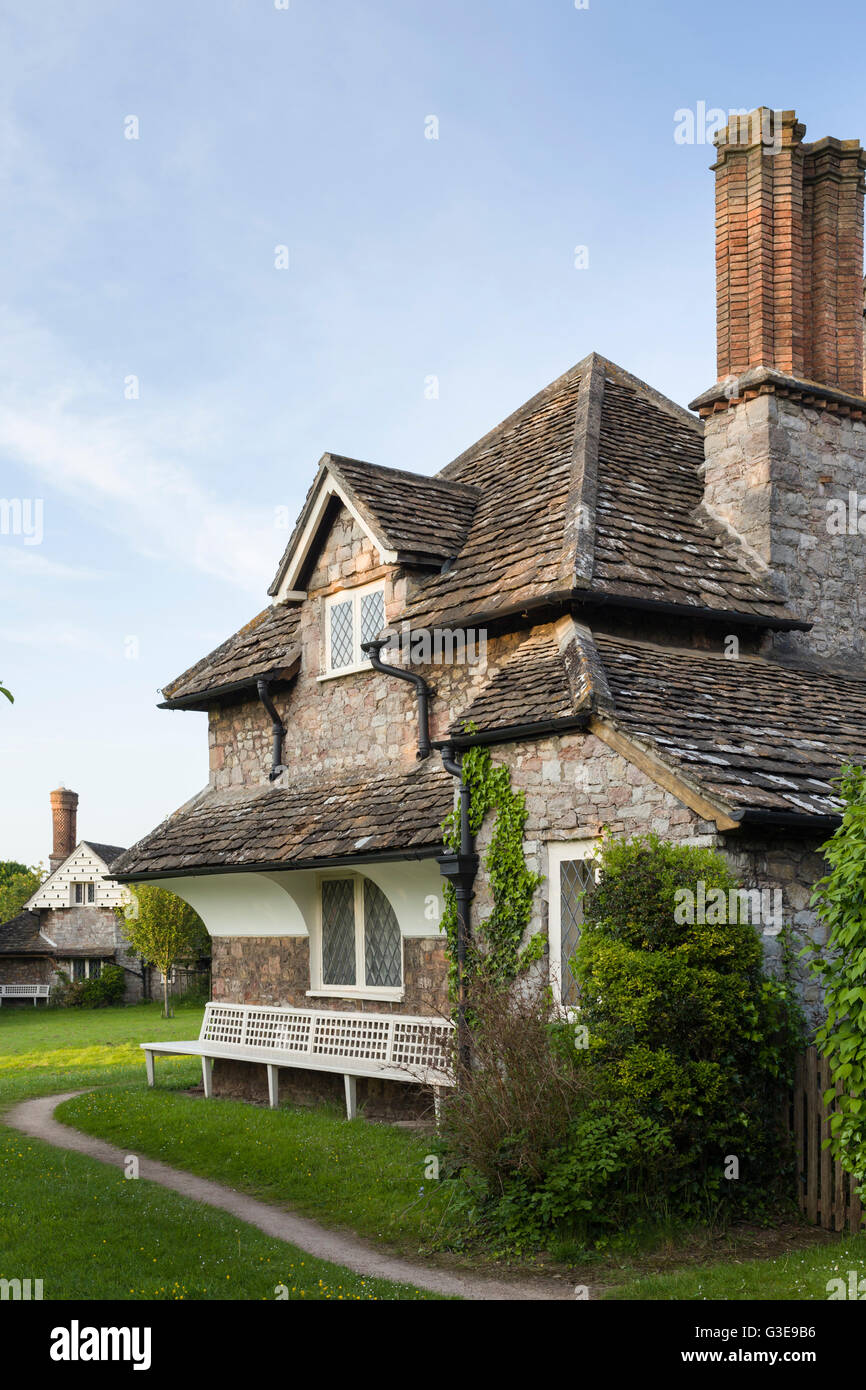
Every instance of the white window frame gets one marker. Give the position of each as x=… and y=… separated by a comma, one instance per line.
x=354, y=595
x=68, y=966
x=318, y=987
x=85, y=884
x=558, y=853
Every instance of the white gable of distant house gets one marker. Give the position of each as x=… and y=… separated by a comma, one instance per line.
x=83, y=866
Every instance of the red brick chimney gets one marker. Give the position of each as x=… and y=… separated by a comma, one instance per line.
x=64, y=817
x=789, y=251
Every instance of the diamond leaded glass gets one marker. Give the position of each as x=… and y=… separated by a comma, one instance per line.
x=372, y=615
x=382, y=947
x=342, y=643
x=575, y=879
x=338, y=931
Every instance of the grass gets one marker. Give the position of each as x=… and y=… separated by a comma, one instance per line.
x=801, y=1275
x=88, y=1232
x=365, y=1178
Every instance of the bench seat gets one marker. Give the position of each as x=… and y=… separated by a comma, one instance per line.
x=391, y=1047
x=24, y=991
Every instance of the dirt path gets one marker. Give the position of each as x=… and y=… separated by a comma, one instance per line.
x=36, y=1118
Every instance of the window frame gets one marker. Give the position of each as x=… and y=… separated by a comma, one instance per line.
x=356, y=594
x=88, y=892
x=558, y=853
x=318, y=987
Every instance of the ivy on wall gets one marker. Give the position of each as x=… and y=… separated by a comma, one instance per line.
x=840, y=898
x=496, y=947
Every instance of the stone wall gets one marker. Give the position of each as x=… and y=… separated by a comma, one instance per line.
x=26, y=970
x=772, y=467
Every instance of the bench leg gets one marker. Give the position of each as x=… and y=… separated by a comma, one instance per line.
x=207, y=1077
x=273, y=1087
x=148, y=1062
x=351, y=1096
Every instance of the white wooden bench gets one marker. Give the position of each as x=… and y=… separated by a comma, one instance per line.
x=33, y=992
x=392, y=1047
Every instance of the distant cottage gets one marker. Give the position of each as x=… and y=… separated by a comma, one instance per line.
x=674, y=642
x=69, y=924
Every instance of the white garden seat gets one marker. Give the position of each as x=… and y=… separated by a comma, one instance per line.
x=392, y=1047
x=22, y=991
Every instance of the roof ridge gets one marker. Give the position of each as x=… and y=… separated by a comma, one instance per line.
x=577, y=560
x=625, y=378
x=407, y=473
x=528, y=406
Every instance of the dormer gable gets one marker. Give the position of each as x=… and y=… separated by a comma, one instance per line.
x=409, y=519
x=81, y=880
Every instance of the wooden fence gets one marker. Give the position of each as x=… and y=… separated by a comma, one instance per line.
x=824, y=1188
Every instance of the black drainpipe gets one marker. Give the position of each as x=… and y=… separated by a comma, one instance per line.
x=460, y=870
x=278, y=727
x=373, y=650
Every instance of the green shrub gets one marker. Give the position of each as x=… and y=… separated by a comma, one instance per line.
x=684, y=1065
x=106, y=988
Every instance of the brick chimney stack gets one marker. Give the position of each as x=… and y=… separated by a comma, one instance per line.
x=64, y=817
x=785, y=425
x=789, y=251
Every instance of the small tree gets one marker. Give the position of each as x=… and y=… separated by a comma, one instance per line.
x=163, y=929
x=17, y=884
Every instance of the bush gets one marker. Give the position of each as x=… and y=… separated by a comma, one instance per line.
x=106, y=988
x=688, y=1051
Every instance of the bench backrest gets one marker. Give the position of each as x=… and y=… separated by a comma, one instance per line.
x=22, y=989
x=398, y=1040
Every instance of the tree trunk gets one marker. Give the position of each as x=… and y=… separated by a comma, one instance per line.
x=166, y=1013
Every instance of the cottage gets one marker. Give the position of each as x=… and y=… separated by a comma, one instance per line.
x=70, y=923
x=672, y=641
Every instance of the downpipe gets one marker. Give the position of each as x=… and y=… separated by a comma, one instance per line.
x=278, y=729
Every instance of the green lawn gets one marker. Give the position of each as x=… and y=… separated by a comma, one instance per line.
x=802, y=1275
x=89, y=1233
x=366, y=1178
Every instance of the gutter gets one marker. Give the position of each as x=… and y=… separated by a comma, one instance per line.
x=337, y=861
x=203, y=699
x=791, y=820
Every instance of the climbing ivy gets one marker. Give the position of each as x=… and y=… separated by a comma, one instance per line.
x=495, y=948
x=840, y=898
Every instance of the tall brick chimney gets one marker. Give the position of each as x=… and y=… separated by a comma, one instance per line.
x=64, y=818
x=785, y=438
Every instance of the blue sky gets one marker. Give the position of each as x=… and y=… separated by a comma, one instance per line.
x=409, y=257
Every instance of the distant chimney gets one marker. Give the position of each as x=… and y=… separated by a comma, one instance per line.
x=64, y=817
x=789, y=251
x=785, y=424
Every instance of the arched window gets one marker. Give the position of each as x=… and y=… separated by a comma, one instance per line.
x=361, y=946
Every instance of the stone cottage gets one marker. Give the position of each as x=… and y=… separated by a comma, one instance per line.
x=651, y=614
x=70, y=924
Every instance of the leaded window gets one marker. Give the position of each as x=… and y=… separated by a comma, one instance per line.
x=361, y=942
x=351, y=618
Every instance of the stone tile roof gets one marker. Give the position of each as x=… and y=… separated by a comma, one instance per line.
x=105, y=852
x=593, y=485
x=759, y=735
x=302, y=825
x=20, y=936
x=421, y=519
x=268, y=645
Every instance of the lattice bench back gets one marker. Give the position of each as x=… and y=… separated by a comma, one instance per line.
x=27, y=990
x=396, y=1040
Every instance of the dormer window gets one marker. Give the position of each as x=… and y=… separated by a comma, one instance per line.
x=352, y=617
x=83, y=893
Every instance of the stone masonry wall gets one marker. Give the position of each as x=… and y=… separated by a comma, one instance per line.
x=772, y=466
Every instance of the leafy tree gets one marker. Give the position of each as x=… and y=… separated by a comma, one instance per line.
x=17, y=884
x=840, y=899
x=164, y=930
x=9, y=696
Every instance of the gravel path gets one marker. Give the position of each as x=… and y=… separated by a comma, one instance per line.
x=36, y=1118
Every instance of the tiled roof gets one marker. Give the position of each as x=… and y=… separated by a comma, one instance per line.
x=266, y=646
x=760, y=736
x=593, y=485
x=421, y=519
x=304, y=824
x=105, y=852
x=20, y=935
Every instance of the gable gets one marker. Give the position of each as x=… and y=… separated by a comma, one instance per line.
x=83, y=865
